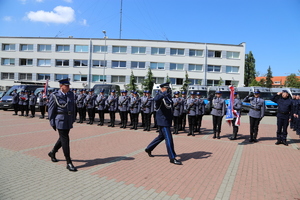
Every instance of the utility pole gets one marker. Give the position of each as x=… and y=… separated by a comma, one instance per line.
x=120, y=36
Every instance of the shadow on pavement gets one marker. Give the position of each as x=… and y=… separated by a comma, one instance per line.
x=194, y=155
x=99, y=161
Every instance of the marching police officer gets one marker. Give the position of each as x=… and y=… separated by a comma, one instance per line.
x=177, y=111
x=164, y=117
x=200, y=112
x=15, y=101
x=135, y=106
x=191, y=107
x=112, y=106
x=147, y=107
x=218, y=111
x=182, y=120
x=42, y=103
x=123, y=103
x=80, y=105
x=62, y=116
x=256, y=113
x=154, y=113
x=32, y=103
x=100, y=103
x=284, y=114
x=89, y=102
x=237, y=105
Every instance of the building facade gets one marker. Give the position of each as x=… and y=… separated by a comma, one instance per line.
x=95, y=61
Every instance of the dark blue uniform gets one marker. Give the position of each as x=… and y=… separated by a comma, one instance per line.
x=100, y=104
x=164, y=116
x=284, y=114
x=32, y=102
x=15, y=101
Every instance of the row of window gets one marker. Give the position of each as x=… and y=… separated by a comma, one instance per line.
x=121, y=49
x=118, y=64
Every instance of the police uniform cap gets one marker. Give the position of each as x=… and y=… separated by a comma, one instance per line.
x=91, y=90
x=145, y=91
x=22, y=91
x=124, y=91
x=165, y=85
x=42, y=91
x=176, y=92
x=75, y=89
x=198, y=93
x=218, y=92
x=31, y=91
x=183, y=92
x=257, y=92
x=132, y=91
x=135, y=92
x=102, y=90
x=113, y=91
x=193, y=93
x=235, y=93
x=15, y=90
x=285, y=91
x=81, y=90
x=65, y=81
x=26, y=91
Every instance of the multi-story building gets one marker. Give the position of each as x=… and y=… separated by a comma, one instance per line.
x=90, y=61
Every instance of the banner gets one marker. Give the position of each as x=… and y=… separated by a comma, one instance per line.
x=230, y=112
x=45, y=89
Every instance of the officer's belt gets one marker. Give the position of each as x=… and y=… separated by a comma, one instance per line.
x=285, y=113
x=218, y=109
x=64, y=113
x=255, y=109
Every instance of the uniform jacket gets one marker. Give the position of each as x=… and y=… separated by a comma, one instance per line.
x=32, y=100
x=143, y=99
x=62, y=112
x=135, y=105
x=237, y=105
x=100, y=102
x=164, y=105
x=201, y=107
x=24, y=100
x=111, y=103
x=89, y=101
x=21, y=99
x=285, y=106
x=177, y=104
x=147, y=105
x=124, y=102
x=80, y=100
x=191, y=106
x=218, y=106
x=257, y=109
x=183, y=100
x=15, y=98
x=48, y=99
x=42, y=101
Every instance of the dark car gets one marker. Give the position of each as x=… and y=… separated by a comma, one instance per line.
x=37, y=92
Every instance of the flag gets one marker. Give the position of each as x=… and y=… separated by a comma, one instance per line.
x=230, y=112
x=45, y=90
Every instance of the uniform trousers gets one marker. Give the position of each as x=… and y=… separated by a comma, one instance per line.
x=80, y=112
x=217, y=122
x=147, y=121
x=143, y=122
x=198, y=122
x=26, y=109
x=42, y=109
x=235, y=128
x=91, y=113
x=182, y=121
x=64, y=142
x=254, y=123
x=154, y=119
x=124, y=117
x=16, y=107
x=134, y=121
x=32, y=109
x=21, y=109
x=176, y=123
x=112, y=115
x=164, y=134
x=192, y=122
x=101, y=116
x=282, y=125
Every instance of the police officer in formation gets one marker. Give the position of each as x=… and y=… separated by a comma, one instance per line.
x=32, y=103
x=89, y=102
x=143, y=99
x=191, y=107
x=42, y=103
x=164, y=117
x=178, y=108
x=200, y=112
x=147, y=106
x=124, y=102
x=135, y=106
x=22, y=99
x=100, y=104
x=218, y=106
x=284, y=114
x=80, y=105
x=74, y=90
x=256, y=113
x=112, y=106
x=237, y=106
x=154, y=113
x=62, y=116
x=182, y=120
x=15, y=101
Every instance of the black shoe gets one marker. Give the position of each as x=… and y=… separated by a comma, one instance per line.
x=149, y=153
x=120, y=123
x=21, y=115
x=189, y=134
x=31, y=116
x=109, y=125
x=255, y=140
x=78, y=122
x=144, y=129
x=15, y=114
x=232, y=138
x=122, y=126
x=130, y=124
x=251, y=140
x=176, y=162
x=132, y=128
x=285, y=143
x=52, y=156
x=214, y=137
x=157, y=131
x=71, y=167
x=278, y=142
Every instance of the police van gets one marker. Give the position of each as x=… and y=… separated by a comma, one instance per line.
x=107, y=87
x=265, y=94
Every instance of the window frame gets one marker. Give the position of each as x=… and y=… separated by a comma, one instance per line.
x=105, y=49
x=10, y=64
x=139, y=79
x=176, y=66
x=214, y=66
x=138, y=65
x=46, y=76
x=158, y=49
x=63, y=76
x=81, y=76
x=9, y=74
x=195, y=68
x=63, y=48
x=214, y=54
x=195, y=54
x=82, y=48
x=45, y=48
x=27, y=59
x=176, y=81
x=27, y=46
x=118, y=79
x=156, y=80
x=99, y=78
x=177, y=52
x=39, y=65
x=232, y=55
x=62, y=61
x=157, y=65
x=232, y=72
x=26, y=76
x=119, y=64
x=10, y=45
x=138, y=52
x=119, y=49
x=100, y=62
x=81, y=62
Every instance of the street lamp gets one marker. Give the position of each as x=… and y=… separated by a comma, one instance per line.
x=104, y=32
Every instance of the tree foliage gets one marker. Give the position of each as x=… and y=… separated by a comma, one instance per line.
x=220, y=82
x=292, y=81
x=249, y=74
x=256, y=83
x=132, y=83
x=186, y=82
x=148, y=82
x=269, y=77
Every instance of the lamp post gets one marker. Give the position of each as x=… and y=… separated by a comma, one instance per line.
x=104, y=32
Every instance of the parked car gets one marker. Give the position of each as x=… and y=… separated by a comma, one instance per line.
x=37, y=92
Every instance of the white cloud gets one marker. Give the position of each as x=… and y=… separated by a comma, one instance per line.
x=69, y=1
x=7, y=18
x=39, y=1
x=23, y=1
x=60, y=14
x=83, y=22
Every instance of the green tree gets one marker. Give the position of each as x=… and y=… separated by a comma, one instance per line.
x=168, y=79
x=292, y=81
x=220, y=82
x=186, y=82
x=249, y=73
x=148, y=82
x=269, y=77
x=256, y=83
x=262, y=82
x=132, y=83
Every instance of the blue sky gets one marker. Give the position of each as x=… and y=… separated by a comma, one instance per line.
x=270, y=28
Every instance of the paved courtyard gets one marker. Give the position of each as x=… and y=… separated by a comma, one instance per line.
x=112, y=163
